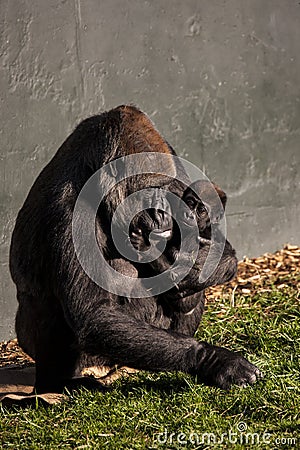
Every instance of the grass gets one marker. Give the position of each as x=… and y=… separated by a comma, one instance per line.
x=265, y=328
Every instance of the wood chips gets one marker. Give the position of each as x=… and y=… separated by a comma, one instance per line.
x=279, y=270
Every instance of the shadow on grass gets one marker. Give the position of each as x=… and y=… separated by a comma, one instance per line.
x=165, y=384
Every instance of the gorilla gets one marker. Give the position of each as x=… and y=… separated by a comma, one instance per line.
x=63, y=313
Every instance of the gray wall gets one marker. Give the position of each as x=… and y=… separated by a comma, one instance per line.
x=220, y=79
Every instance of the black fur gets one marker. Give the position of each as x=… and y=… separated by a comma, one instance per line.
x=63, y=313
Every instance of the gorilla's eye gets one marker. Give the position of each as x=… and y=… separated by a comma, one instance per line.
x=191, y=203
x=201, y=211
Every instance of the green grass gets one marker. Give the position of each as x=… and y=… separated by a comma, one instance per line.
x=265, y=328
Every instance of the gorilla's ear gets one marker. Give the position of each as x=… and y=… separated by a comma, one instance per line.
x=222, y=195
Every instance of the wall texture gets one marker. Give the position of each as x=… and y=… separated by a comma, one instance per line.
x=219, y=78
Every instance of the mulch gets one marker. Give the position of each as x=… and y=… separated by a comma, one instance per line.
x=270, y=271
x=12, y=354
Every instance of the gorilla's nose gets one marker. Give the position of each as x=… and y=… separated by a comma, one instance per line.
x=189, y=216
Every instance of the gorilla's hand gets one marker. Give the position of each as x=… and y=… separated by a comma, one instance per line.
x=220, y=268
x=222, y=368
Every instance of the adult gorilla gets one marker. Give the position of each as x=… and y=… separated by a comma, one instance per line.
x=63, y=313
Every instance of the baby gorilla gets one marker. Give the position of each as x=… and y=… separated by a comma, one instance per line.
x=205, y=204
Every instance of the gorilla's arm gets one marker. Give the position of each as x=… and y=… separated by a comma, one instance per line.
x=127, y=341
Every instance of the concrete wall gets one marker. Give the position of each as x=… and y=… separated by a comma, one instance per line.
x=220, y=79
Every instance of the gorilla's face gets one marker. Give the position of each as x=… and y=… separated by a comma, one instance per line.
x=196, y=212
x=154, y=219
x=206, y=204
